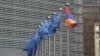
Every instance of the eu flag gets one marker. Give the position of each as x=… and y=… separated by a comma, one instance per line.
x=46, y=26
x=32, y=51
x=55, y=23
x=57, y=20
x=31, y=47
x=45, y=29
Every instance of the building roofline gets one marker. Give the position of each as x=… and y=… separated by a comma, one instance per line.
x=91, y=5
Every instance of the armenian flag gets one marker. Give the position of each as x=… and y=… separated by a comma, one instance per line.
x=70, y=21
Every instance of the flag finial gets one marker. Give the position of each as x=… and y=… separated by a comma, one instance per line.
x=49, y=17
x=39, y=26
x=60, y=8
x=54, y=13
x=37, y=30
x=67, y=4
x=41, y=23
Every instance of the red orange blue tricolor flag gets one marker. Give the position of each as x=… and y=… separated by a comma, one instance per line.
x=70, y=21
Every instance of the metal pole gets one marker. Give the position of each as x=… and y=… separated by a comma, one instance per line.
x=44, y=36
x=37, y=54
x=67, y=4
x=54, y=38
x=44, y=45
x=49, y=40
x=67, y=41
x=40, y=52
x=60, y=33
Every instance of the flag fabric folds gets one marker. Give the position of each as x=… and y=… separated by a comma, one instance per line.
x=57, y=20
x=32, y=51
x=55, y=23
x=70, y=21
x=32, y=46
x=36, y=40
x=46, y=29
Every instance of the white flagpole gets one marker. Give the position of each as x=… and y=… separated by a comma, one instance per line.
x=60, y=9
x=68, y=29
x=44, y=46
x=54, y=13
x=49, y=40
x=37, y=54
x=67, y=41
x=40, y=44
x=44, y=49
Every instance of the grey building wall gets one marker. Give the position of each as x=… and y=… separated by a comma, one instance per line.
x=20, y=18
x=12, y=52
x=91, y=2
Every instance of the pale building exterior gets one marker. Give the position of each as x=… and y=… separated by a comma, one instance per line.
x=91, y=16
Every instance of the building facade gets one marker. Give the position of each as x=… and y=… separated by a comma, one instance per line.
x=91, y=14
x=97, y=38
x=20, y=18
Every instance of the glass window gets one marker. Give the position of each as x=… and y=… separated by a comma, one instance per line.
x=97, y=34
x=97, y=28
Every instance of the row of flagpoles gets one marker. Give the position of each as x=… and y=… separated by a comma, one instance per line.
x=48, y=28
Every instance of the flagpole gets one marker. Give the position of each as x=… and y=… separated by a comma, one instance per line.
x=44, y=46
x=68, y=29
x=42, y=49
x=49, y=40
x=44, y=36
x=54, y=13
x=40, y=52
x=60, y=9
x=67, y=41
